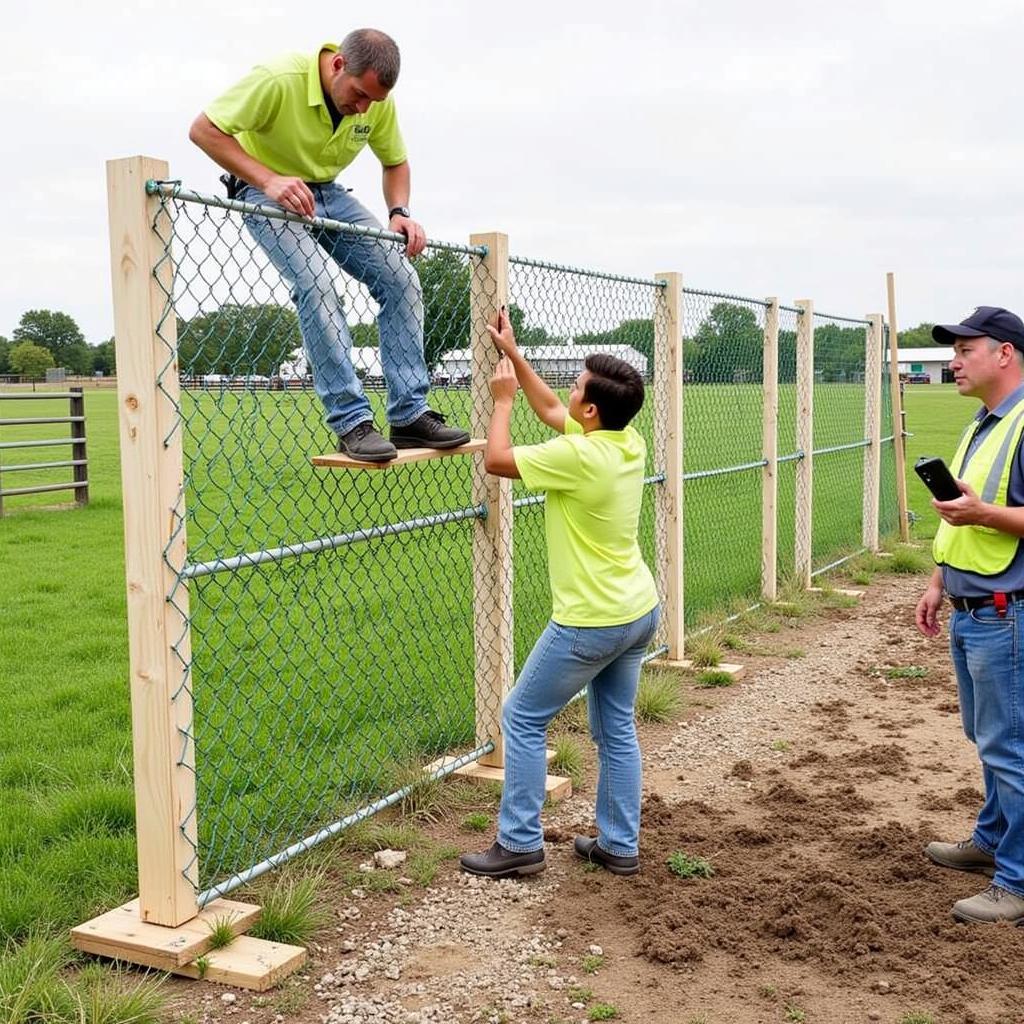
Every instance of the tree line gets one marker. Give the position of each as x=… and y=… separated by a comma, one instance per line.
x=255, y=339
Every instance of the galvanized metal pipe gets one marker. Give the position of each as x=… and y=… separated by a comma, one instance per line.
x=312, y=547
x=328, y=832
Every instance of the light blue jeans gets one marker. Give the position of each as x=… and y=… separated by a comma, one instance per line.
x=302, y=256
x=987, y=656
x=605, y=659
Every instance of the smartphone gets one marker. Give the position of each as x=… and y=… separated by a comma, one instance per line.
x=937, y=477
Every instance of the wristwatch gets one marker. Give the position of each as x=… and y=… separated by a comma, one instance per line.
x=401, y=211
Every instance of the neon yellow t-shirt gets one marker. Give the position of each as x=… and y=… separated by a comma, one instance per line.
x=279, y=116
x=594, y=488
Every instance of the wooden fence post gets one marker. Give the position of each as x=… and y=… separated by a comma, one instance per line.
x=803, y=518
x=668, y=456
x=493, y=636
x=872, y=430
x=770, y=454
x=896, y=397
x=78, y=456
x=154, y=530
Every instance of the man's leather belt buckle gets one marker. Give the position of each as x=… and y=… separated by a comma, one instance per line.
x=999, y=599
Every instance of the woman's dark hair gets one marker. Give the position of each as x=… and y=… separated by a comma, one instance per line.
x=615, y=387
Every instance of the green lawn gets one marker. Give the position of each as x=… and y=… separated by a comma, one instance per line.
x=316, y=680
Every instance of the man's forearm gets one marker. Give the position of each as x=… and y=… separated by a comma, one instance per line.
x=224, y=150
x=498, y=457
x=397, y=185
x=543, y=401
x=1004, y=519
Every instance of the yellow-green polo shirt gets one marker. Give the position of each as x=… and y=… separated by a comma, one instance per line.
x=594, y=488
x=279, y=117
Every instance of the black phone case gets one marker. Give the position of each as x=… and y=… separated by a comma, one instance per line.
x=937, y=478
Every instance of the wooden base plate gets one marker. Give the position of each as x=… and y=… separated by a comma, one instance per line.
x=556, y=787
x=837, y=590
x=122, y=935
x=250, y=963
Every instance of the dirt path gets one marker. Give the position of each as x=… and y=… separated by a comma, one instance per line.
x=811, y=787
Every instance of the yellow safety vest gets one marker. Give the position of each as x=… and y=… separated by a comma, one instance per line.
x=982, y=549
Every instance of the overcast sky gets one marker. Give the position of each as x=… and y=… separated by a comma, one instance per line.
x=793, y=148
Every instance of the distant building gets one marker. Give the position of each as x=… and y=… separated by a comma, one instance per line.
x=925, y=365
x=365, y=361
x=557, y=364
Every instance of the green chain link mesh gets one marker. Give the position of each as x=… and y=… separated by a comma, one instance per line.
x=331, y=613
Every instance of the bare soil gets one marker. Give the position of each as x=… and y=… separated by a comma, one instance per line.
x=811, y=787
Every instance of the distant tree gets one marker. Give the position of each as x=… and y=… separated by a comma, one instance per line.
x=238, y=340
x=728, y=346
x=527, y=336
x=103, y=358
x=839, y=352
x=5, y=350
x=59, y=334
x=918, y=337
x=30, y=360
x=365, y=335
x=445, y=282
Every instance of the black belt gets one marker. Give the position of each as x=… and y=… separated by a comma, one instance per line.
x=965, y=604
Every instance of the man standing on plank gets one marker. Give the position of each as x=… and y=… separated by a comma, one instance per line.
x=981, y=569
x=604, y=603
x=284, y=133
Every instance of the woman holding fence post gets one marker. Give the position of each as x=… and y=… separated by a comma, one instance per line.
x=605, y=605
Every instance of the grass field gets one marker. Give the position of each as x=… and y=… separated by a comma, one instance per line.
x=320, y=679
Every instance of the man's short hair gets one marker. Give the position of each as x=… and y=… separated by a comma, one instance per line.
x=366, y=49
x=615, y=387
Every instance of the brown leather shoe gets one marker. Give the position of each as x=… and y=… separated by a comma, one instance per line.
x=587, y=849
x=988, y=907
x=962, y=856
x=497, y=862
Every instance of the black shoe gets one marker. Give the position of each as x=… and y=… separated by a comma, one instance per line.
x=428, y=431
x=362, y=442
x=497, y=862
x=588, y=849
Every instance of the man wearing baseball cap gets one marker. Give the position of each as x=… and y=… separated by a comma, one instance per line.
x=980, y=568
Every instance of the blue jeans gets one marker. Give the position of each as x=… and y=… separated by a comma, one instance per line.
x=987, y=653
x=605, y=659
x=302, y=256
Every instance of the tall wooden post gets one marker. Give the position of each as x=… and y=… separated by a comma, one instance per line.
x=78, y=456
x=668, y=456
x=492, y=537
x=872, y=430
x=803, y=518
x=770, y=454
x=896, y=397
x=154, y=532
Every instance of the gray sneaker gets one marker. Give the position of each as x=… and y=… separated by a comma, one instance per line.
x=962, y=856
x=988, y=907
x=362, y=442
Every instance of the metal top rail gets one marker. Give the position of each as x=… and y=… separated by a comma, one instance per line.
x=727, y=296
x=175, y=190
x=565, y=268
x=844, y=319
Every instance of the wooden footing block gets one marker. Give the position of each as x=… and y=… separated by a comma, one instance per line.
x=335, y=460
x=122, y=935
x=555, y=786
x=882, y=554
x=249, y=963
x=837, y=590
x=670, y=663
x=736, y=671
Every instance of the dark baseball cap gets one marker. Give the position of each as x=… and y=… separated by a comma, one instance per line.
x=985, y=321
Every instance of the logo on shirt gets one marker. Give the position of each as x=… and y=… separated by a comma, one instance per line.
x=361, y=129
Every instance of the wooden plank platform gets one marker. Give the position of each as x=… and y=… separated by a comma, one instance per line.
x=254, y=964
x=335, y=460
x=556, y=787
x=122, y=935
